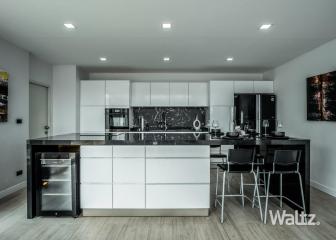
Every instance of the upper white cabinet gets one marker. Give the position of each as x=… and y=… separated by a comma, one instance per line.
x=263, y=87
x=178, y=94
x=92, y=93
x=118, y=93
x=198, y=94
x=221, y=93
x=159, y=94
x=140, y=92
x=243, y=87
x=92, y=119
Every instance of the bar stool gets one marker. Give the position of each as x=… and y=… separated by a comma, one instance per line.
x=239, y=161
x=219, y=155
x=284, y=162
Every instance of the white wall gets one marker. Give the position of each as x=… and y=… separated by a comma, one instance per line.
x=65, y=99
x=40, y=71
x=13, y=136
x=290, y=87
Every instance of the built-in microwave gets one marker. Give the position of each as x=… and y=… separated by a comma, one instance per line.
x=116, y=119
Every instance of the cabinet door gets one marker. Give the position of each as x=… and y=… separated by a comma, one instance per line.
x=177, y=196
x=92, y=119
x=263, y=87
x=140, y=94
x=198, y=94
x=160, y=94
x=96, y=170
x=178, y=94
x=221, y=114
x=221, y=93
x=243, y=87
x=129, y=196
x=128, y=170
x=96, y=196
x=117, y=93
x=92, y=93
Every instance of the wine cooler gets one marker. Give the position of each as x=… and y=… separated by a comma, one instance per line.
x=59, y=185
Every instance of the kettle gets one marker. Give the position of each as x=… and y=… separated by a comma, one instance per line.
x=197, y=124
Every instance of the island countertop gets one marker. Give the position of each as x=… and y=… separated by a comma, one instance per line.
x=164, y=138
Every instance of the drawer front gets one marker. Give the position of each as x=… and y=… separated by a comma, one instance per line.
x=129, y=196
x=96, y=151
x=177, y=196
x=129, y=170
x=96, y=196
x=199, y=151
x=96, y=170
x=129, y=151
x=178, y=170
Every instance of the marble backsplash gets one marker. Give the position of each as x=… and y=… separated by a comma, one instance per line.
x=176, y=117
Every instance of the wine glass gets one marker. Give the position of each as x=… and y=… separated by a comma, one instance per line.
x=265, y=124
x=279, y=125
x=215, y=124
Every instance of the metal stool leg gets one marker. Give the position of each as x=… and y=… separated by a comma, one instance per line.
x=216, y=196
x=258, y=196
x=280, y=190
x=255, y=188
x=267, y=196
x=223, y=196
x=265, y=183
x=302, y=196
x=242, y=189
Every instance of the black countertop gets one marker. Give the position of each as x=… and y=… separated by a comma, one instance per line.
x=149, y=138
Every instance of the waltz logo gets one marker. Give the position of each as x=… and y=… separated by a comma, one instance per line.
x=283, y=218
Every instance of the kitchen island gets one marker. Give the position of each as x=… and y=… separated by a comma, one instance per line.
x=148, y=174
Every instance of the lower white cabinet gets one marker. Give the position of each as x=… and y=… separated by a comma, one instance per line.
x=96, y=196
x=129, y=196
x=96, y=170
x=177, y=196
x=129, y=170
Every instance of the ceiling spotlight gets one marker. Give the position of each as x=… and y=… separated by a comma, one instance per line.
x=166, y=59
x=265, y=26
x=166, y=25
x=69, y=26
x=229, y=59
x=103, y=59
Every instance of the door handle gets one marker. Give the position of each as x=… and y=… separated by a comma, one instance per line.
x=46, y=127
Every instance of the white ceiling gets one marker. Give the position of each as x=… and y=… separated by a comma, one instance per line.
x=205, y=32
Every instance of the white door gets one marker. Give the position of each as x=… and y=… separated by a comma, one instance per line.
x=92, y=119
x=92, y=93
x=263, y=87
x=221, y=114
x=160, y=94
x=198, y=94
x=38, y=111
x=140, y=94
x=178, y=94
x=243, y=87
x=118, y=93
x=221, y=93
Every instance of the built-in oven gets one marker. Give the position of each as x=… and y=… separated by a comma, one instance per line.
x=116, y=119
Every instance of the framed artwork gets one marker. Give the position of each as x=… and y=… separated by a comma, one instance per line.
x=3, y=96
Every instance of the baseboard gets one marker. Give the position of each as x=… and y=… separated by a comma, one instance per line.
x=323, y=188
x=12, y=189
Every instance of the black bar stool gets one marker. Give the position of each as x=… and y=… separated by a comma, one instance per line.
x=284, y=162
x=239, y=161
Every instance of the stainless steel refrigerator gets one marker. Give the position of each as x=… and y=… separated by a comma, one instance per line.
x=252, y=109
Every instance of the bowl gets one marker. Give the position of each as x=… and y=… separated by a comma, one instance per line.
x=232, y=134
x=278, y=134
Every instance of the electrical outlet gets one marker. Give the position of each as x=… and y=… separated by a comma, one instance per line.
x=19, y=173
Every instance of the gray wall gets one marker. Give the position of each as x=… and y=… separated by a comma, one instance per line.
x=12, y=136
x=290, y=87
x=39, y=71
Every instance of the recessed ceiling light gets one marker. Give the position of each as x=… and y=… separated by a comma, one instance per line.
x=166, y=59
x=69, y=26
x=103, y=59
x=229, y=59
x=265, y=26
x=166, y=25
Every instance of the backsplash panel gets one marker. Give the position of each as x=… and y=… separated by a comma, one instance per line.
x=177, y=117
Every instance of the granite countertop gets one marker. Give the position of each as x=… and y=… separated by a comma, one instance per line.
x=149, y=138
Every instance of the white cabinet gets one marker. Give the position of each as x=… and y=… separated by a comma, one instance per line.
x=263, y=87
x=129, y=196
x=140, y=94
x=177, y=170
x=92, y=93
x=178, y=151
x=178, y=94
x=221, y=93
x=117, y=93
x=222, y=115
x=96, y=196
x=128, y=170
x=92, y=119
x=243, y=87
x=94, y=151
x=160, y=94
x=130, y=151
x=198, y=94
x=96, y=170
x=178, y=196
